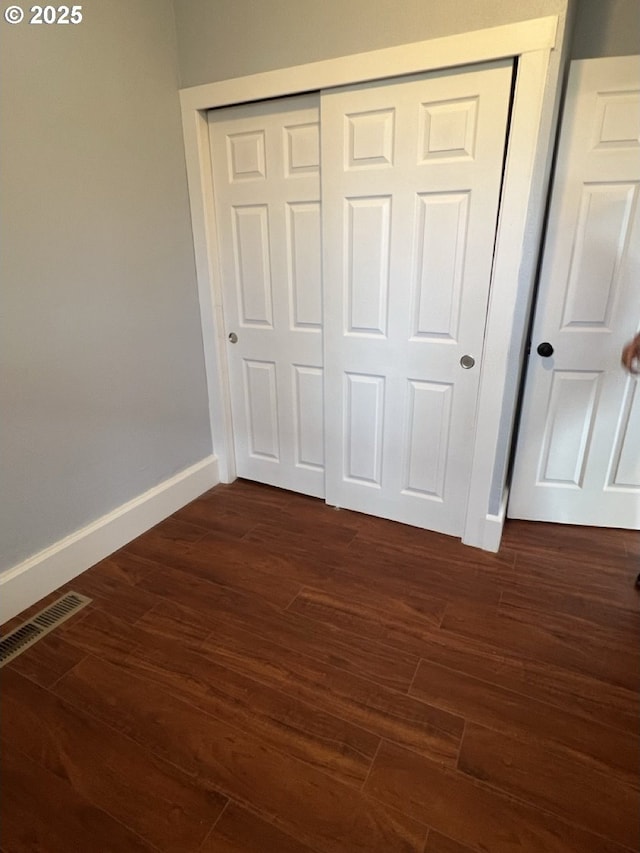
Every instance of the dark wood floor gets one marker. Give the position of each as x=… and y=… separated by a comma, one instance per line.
x=263, y=673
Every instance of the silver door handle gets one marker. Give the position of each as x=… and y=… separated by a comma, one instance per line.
x=233, y=338
x=467, y=361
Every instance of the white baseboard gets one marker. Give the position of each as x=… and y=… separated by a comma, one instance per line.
x=29, y=581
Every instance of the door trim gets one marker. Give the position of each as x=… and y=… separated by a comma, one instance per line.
x=535, y=45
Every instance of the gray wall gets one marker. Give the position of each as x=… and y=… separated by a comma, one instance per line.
x=102, y=385
x=218, y=39
x=606, y=28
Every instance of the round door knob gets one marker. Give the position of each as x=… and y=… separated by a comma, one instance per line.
x=467, y=361
x=233, y=337
x=545, y=349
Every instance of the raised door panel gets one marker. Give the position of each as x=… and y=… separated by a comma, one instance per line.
x=448, y=129
x=369, y=139
x=363, y=426
x=305, y=265
x=309, y=430
x=252, y=265
x=366, y=241
x=261, y=409
x=246, y=156
x=600, y=243
x=441, y=225
x=428, y=425
x=624, y=466
x=569, y=425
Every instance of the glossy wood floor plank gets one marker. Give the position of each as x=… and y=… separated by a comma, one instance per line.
x=324, y=688
x=331, y=817
x=41, y=813
x=587, y=697
x=235, y=564
x=297, y=545
x=417, y=545
x=609, y=634
x=582, y=604
x=171, y=536
x=632, y=543
x=311, y=525
x=261, y=672
x=398, y=624
x=592, y=543
x=328, y=643
x=109, y=594
x=603, y=575
x=323, y=740
x=240, y=831
x=506, y=711
x=288, y=510
x=438, y=843
x=103, y=634
x=405, y=570
x=547, y=640
x=246, y=566
x=411, y=606
x=124, y=568
x=552, y=778
x=375, y=708
x=225, y=523
x=154, y=799
x=471, y=813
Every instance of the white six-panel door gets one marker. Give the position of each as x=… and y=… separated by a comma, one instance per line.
x=266, y=171
x=578, y=453
x=411, y=175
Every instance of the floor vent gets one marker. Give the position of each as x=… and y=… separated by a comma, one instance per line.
x=39, y=625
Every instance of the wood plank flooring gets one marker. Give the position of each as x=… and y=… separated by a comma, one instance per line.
x=261, y=673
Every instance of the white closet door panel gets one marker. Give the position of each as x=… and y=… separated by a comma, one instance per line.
x=578, y=453
x=266, y=170
x=411, y=174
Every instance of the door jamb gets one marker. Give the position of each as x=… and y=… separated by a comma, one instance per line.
x=532, y=42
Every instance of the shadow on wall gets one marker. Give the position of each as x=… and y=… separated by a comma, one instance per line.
x=606, y=28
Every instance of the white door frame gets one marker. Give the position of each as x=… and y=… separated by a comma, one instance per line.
x=530, y=141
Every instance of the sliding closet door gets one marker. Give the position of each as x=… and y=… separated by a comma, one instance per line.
x=266, y=174
x=578, y=455
x=411, y=175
